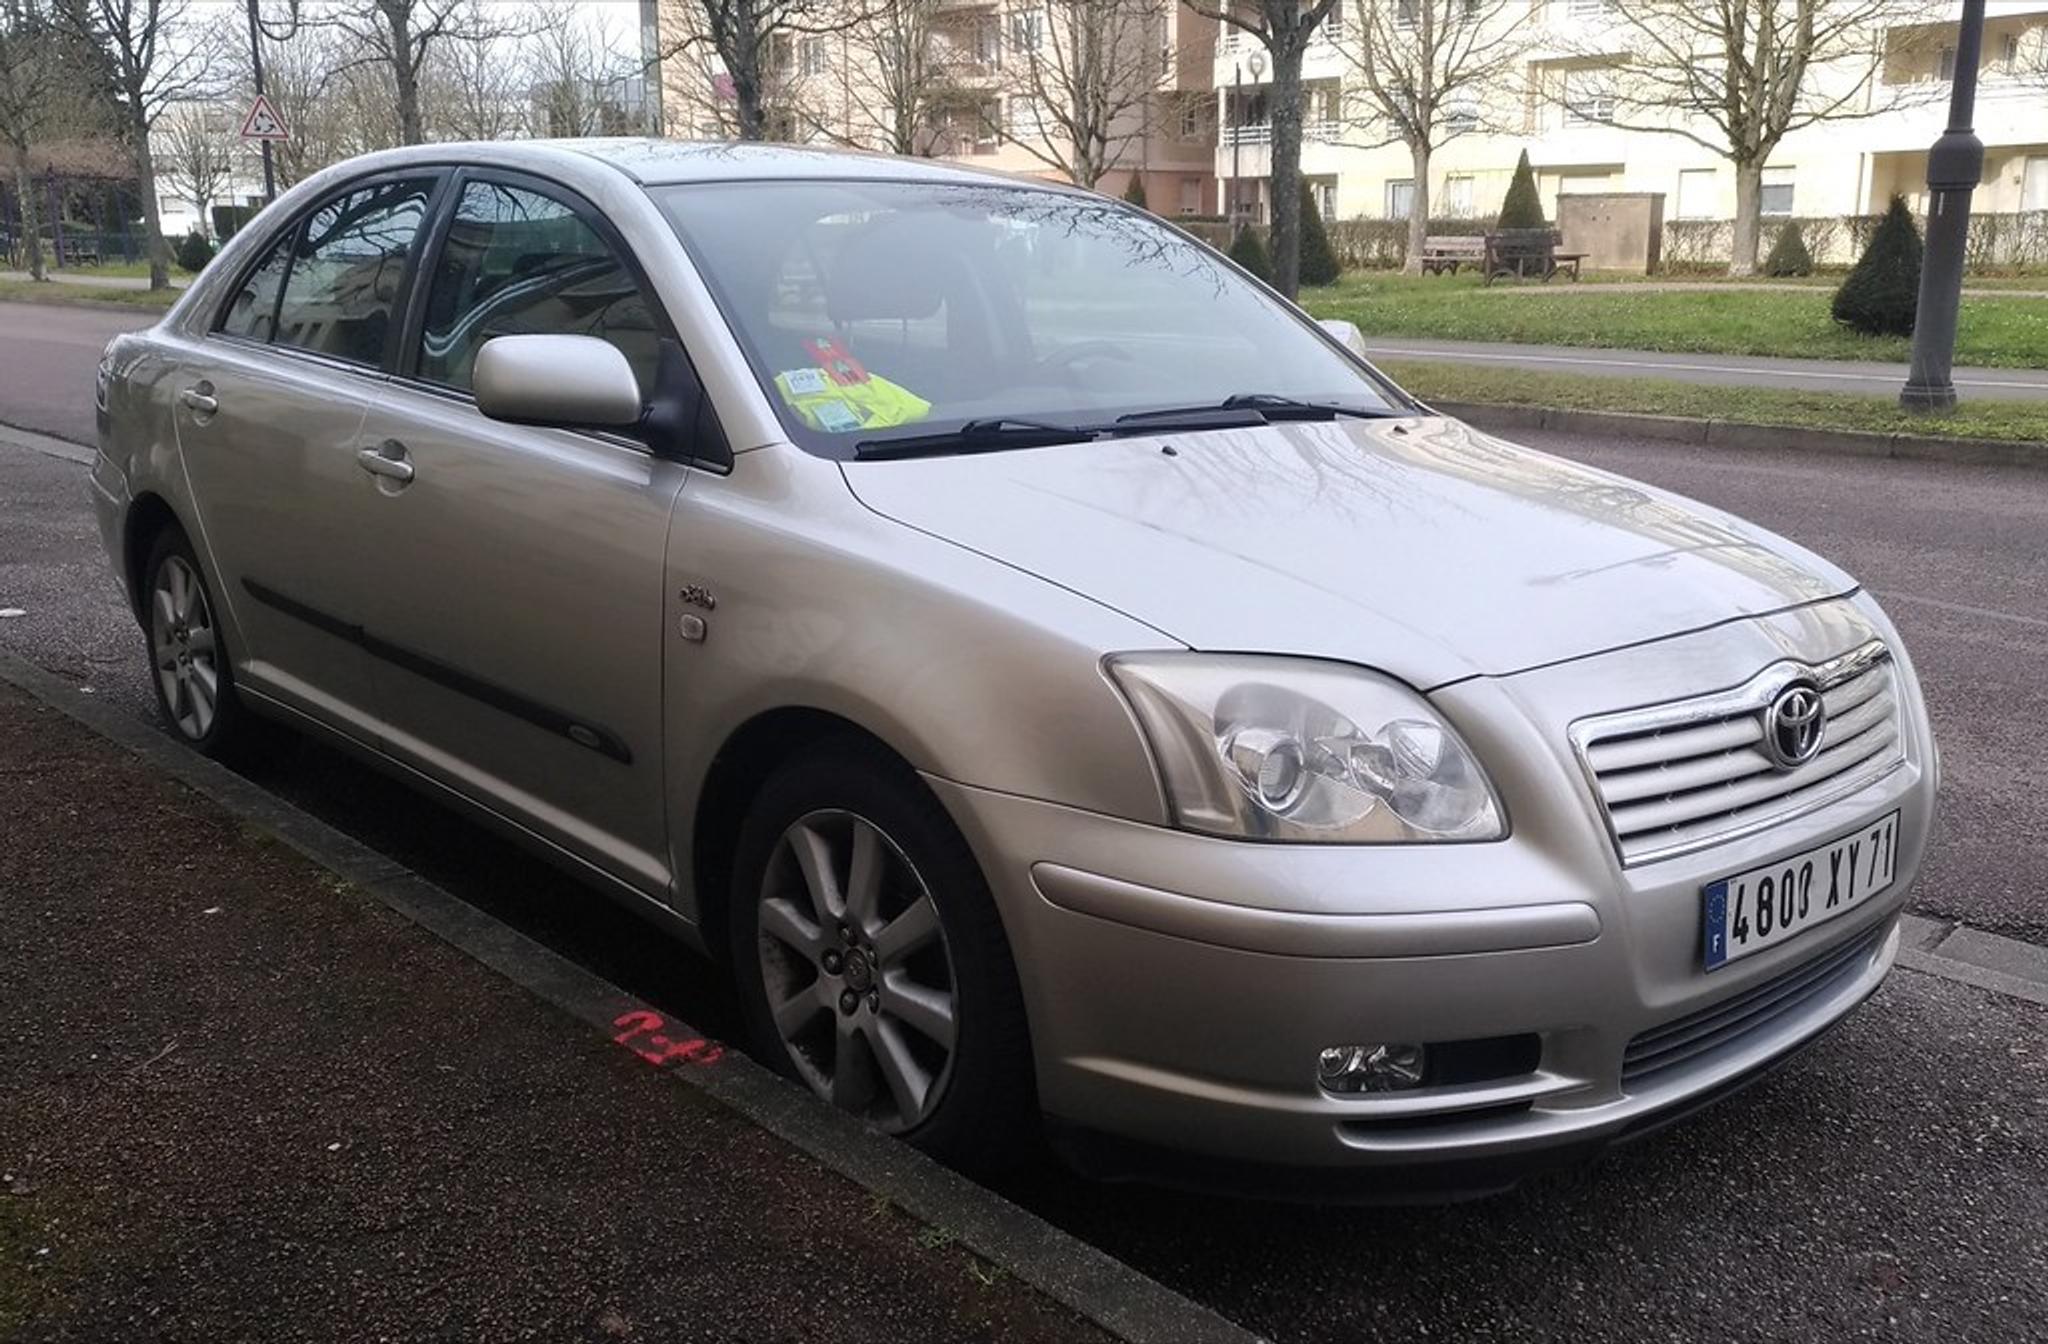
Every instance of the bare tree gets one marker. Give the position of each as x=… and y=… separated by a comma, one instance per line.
x=1738, y=76
x=743, y=53
x=197, y=154
x=399, y=38
x=1427, y=71
x=577, y=77
x=1079, y=76
x=32, y=106
x=478, y=90
x=1284, y=28
x=152, y=55
x=896, y=82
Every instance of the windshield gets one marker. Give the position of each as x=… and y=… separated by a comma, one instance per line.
x=873, y=310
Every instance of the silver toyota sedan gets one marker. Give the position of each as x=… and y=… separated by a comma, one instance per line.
x=1070, y=688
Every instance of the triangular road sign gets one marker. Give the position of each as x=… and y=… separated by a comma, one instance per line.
x=263, y=123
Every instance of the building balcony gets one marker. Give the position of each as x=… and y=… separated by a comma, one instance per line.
x=1261, y=133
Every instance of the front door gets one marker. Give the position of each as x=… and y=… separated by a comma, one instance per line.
x=269, y=410
x=517, y=645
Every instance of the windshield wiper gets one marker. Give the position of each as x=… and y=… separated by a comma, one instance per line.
x=1270, y=406
x=988, y=435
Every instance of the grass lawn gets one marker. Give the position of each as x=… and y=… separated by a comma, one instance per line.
x=2022, y=421
x=125, y=270
x=56, y=291
x=1736, y=320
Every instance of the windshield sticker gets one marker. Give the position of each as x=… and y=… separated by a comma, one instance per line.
x=835, y=417
x=838, y=362
x=872, y=403
x=802, y=382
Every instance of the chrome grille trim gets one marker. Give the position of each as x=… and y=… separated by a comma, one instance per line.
x=1734, y=1019
x=1680, y=776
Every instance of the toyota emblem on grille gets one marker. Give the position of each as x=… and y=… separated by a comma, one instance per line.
x=1794, y=724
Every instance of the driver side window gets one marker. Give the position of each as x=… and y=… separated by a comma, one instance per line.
x=520, y=262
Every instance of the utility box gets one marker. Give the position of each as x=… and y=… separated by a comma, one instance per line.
x=1618, y=231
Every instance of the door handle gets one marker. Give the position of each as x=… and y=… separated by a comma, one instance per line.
x=387, y=460
x=200, y=399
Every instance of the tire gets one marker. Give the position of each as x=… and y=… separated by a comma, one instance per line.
x=189, y=667
x=858, y=1021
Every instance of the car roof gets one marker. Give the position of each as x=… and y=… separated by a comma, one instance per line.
x=665, y=162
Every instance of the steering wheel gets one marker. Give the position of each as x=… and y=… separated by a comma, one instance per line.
x=1080, y=350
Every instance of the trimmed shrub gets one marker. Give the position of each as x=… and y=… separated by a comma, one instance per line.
x=1318, y=262
x=1788, y=254
x=193, y=252
x=1883, y=290
x=1249, y=251
x=1522, y=208
x=1135, y=193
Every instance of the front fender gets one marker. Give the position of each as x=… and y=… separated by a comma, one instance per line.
x=971, y=670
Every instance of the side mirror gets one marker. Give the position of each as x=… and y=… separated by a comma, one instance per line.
x=1345, y=333
x=575, y=382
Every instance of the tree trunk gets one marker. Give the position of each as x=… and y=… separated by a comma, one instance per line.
x=405, y=75
x=1418, y=207
x=1749, y=198
x=145, y=182
x=31, y=222
x=1284, y=177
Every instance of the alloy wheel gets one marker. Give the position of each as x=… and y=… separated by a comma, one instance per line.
x=184, y=647
x=859, y=979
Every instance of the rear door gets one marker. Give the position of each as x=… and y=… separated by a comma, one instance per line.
x=269, y=407
x=517, y=641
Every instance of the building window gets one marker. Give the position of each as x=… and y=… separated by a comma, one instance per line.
x=2034, y=183
x=1323, y=190
x=1025, y=115
x=1587, y=8
x=1587, y=98
x=1400, y=197
x=1457, y=201
x=1027, y=30
x=1461, y=114
x=988, y=43
x=813, y=55
x=1698, y=198
x=1947, y=67
x=1777, y=192
x=1405, y=12
x=1191, y=195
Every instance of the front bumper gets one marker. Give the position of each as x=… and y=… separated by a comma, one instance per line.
x=1180, y=988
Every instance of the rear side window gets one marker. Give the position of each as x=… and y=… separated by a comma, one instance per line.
x=253, y=312
x=347, y=270
x=519, y=262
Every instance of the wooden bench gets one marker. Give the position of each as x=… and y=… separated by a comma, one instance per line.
x=1449, y=253
x=1522, y=253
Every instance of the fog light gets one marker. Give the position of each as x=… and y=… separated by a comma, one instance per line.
x=1370, y=1068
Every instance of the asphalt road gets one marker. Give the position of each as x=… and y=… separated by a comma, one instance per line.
x=1891, y=1183
x=47, y=355
x=1808, y=375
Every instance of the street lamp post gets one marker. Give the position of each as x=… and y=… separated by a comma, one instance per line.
x=256, y=70
x=1236, y=138
x=1954, y=168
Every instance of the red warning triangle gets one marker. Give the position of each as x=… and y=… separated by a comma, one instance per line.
x=263, y=123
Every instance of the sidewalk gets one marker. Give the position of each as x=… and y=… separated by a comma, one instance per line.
x=1817, y=375
x=98, y=281
x=241, y=1100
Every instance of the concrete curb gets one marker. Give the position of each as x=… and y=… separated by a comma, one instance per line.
x=1741, y=434
x=1116, y=1297
x=48, y=445
x=1987, y=960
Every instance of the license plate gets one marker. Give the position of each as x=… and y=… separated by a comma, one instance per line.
x=1744, y=914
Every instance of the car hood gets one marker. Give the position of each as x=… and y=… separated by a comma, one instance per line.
x=1418, y=546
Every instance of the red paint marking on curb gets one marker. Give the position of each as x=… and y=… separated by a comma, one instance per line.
x=640, y=1033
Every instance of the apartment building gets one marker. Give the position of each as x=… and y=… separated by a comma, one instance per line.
x=1559, y=105
x=986, y=75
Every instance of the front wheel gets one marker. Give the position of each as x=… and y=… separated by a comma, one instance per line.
x=871, y=961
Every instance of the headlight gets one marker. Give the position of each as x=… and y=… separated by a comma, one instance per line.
x=1289, y=749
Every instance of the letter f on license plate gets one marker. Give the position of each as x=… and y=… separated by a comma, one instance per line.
x=1766, y=906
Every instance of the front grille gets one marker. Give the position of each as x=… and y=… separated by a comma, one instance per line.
x=1733, y=1019
x=1681, y=776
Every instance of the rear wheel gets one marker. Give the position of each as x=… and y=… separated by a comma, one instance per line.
x=871, y=961
x=195, y=686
